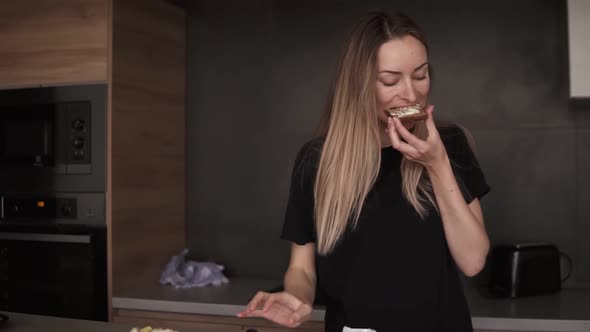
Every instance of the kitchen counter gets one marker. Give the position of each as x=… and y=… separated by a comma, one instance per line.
x=566, y=311
x=226, y=300
x=34, y=323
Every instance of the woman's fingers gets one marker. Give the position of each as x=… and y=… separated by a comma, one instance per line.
x=269, y=302
x=258, y=300
x=294, y=320
x=282, y=308
x=430, y=122
x=264, y=301
x=396, y=142
x=290, y=301
x=300, y=316
x=277, y=313
x=283, y=298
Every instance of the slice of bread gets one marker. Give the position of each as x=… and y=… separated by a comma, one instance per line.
x=408, y=113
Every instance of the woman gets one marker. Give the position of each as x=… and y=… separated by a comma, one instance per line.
x=381, y=213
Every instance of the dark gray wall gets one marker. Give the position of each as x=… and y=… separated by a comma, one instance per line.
x=258, y=75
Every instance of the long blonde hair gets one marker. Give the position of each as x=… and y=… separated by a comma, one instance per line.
x=350, y=157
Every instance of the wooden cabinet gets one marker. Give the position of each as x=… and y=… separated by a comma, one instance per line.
x=146, y=176
x=58, y=42
x=179, y=321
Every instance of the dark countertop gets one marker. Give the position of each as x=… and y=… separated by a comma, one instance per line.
x=34, y=323
x=568, y=310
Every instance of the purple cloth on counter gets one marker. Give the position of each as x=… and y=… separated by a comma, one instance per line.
x=186, y=274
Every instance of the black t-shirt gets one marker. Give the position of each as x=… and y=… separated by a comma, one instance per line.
x=394, y=271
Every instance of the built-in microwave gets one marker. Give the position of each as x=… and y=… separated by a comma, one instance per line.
x=55, y=135
x=53, y=139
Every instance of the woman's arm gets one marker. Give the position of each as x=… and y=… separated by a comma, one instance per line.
x=463, y=224
x=300, y=278
x=293, y=306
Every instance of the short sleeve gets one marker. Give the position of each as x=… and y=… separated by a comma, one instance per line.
x=467, y=170
x=299, y=226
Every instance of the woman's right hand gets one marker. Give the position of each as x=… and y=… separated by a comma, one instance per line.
x=281, y=308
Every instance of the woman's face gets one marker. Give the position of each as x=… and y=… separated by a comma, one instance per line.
x=402, y=75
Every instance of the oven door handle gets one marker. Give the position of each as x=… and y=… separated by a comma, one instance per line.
x=42, y=237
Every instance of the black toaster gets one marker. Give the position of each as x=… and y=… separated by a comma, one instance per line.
x=528, y=269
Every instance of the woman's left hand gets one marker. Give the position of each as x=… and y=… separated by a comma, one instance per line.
x=430, y=152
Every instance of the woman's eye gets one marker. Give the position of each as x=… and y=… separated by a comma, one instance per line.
x=389, y=83
x=421, y=78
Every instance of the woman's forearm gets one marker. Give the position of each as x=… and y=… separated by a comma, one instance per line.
x=466, y=235
x=300, y=284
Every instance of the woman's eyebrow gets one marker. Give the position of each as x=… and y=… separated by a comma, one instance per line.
x=421, y=66
x=399, y=72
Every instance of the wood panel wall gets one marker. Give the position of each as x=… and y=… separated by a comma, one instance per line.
x=147, y=143
x=53, y=42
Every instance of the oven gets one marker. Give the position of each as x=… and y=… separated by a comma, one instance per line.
x=55, y=271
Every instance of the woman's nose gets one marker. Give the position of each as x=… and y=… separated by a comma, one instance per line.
x=408, y=92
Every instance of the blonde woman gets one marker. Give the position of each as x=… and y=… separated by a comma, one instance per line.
x=382, y=215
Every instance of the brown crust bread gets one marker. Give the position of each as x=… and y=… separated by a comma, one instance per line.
x=415, y=117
